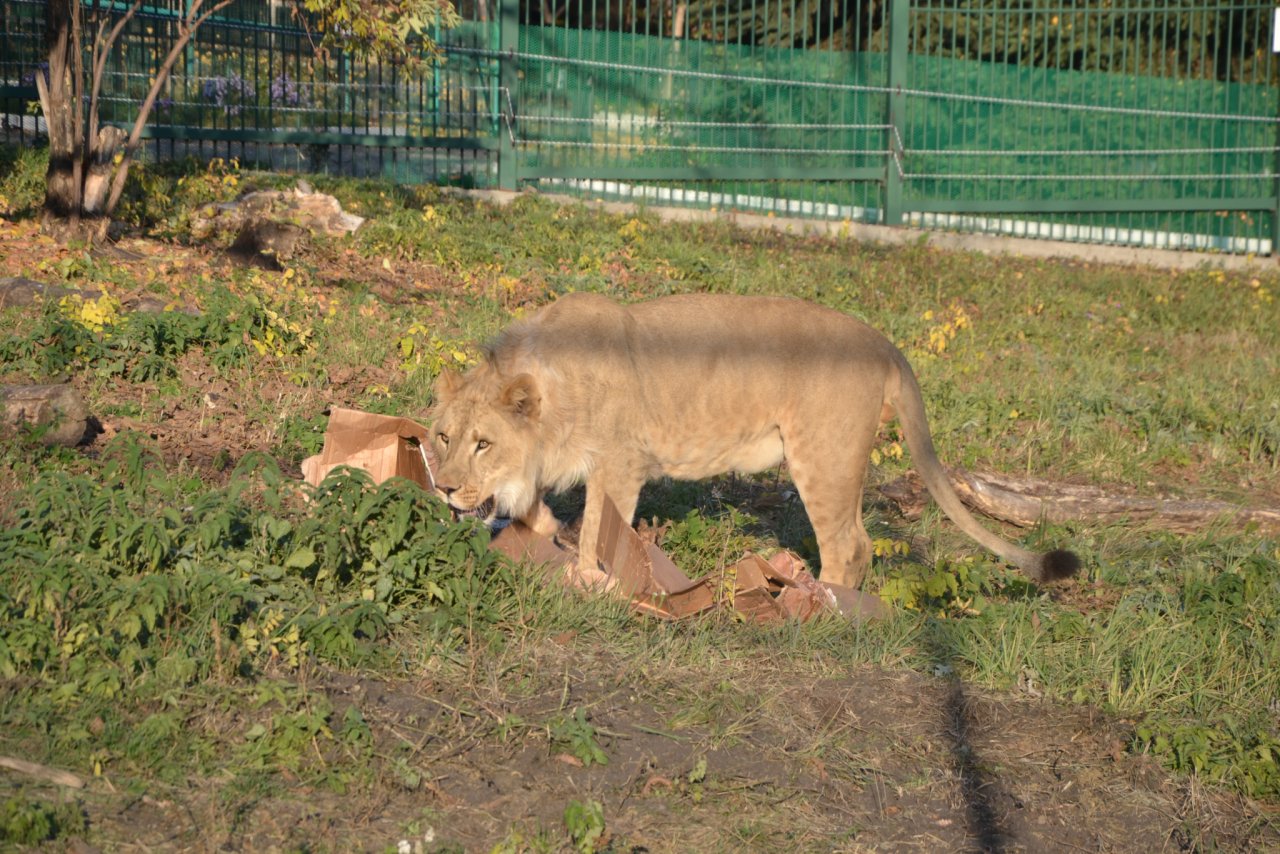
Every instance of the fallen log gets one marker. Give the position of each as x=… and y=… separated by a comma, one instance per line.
x=1027, y=501
x=42, y=772
x=56, y=413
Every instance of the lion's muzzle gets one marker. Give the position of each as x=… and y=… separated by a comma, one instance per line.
x=465, y=501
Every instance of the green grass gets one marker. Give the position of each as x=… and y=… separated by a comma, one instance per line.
x=139, y=593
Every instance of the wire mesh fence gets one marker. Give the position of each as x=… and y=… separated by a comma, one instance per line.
x=1149, y=122
x=251, y=86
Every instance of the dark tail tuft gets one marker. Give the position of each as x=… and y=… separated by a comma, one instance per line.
x=1057, y=564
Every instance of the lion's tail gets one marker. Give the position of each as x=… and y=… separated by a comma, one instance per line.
x=909, y=405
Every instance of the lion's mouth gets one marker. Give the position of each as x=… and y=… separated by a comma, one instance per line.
x=485, y=511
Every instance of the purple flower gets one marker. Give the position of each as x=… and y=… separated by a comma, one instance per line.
x=29, y=79
x=287, y=92
x=230, y=93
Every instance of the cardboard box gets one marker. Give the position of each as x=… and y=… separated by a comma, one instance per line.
x=384, y=446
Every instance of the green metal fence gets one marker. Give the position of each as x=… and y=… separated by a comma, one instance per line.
x=251, y=87
x=1147, y=122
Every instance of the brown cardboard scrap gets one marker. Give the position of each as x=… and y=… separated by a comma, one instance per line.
x=778, y=588
x=857, y=605
x=384, y=446
x=626, y=559
x=676, y=597
x=788, y=564
x=520, y=542
x=752, y=591
x=643, y=571
x=804, y=601
x=763, y=590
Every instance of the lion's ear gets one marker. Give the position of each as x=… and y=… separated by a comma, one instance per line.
x=521, y=396
x=446, y=386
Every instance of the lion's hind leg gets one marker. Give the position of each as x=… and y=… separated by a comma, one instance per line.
x=830, y=482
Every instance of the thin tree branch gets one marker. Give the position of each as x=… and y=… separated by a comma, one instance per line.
x=42, y=91
x=77, y=114
x=187, y=30
x=101, y=51
x=299, y=15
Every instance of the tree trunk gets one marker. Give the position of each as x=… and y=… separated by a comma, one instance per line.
x=97, y=181
x=59, y=94
x=66, y=216
x=88, y=164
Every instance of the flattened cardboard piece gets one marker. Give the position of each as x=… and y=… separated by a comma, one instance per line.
x=385, y=446
x=520, y=542
x=643, y=572
x=758, y=605
x=802, y=603
x=753, y=591
x=783, y=588
x=676, y=597
x=802, y=596
x=855, y=604
x=788, y=564
x=750, y=573
x=625, y=557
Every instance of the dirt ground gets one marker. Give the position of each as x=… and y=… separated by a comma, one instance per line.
x=870, y=760
x=776, y=759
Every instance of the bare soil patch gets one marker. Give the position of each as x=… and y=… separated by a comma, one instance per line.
x=770, y=759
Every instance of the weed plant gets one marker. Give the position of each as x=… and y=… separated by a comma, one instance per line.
x=130, y=590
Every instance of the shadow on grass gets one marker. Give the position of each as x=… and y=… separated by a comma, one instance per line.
x=979, y=786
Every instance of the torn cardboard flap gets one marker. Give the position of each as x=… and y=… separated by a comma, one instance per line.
x=632, y=567
x=770, y=590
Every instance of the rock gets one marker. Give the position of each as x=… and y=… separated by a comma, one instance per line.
x=267, y=243
x=57, y=412
x=316, y=213
x=18, y=290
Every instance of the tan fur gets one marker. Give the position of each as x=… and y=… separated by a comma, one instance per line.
x=688, y=387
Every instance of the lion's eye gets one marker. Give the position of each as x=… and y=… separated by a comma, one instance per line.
x=442, y=439
x=481, y=445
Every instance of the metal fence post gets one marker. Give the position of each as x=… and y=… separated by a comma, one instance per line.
x=1275, y=186
x=899, y=22
x=508, y=91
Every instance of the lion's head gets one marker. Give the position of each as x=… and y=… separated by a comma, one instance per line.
x=484, y=433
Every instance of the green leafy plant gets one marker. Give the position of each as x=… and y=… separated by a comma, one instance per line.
x=138, y=585
x=585, y=823
x=96, y=335
x=948, y=587
x=575, y=735
x=22, y=178
x=25, y=821
x=1244, y=756
x=421, y=350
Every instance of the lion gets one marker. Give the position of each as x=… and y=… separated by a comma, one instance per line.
x=689, y=386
